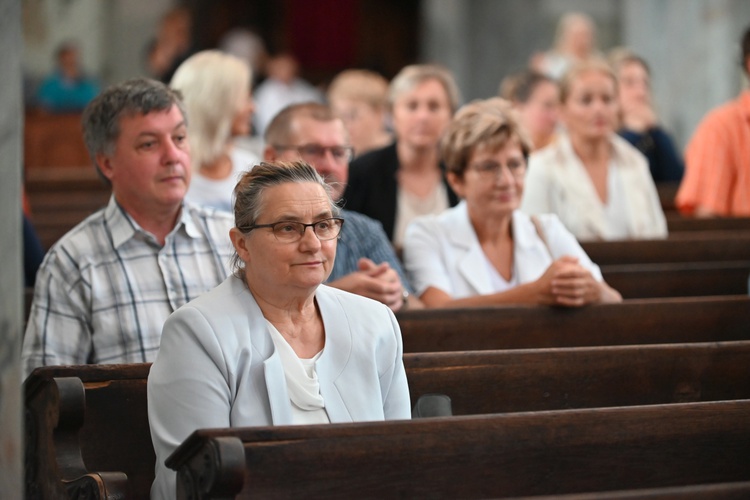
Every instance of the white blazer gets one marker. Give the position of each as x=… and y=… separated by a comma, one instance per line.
x=217, y=367
x=444, y=252
x=557, y=182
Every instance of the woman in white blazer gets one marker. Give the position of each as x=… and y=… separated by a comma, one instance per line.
x=271, y=345
x=485, y=251
x=596, y=182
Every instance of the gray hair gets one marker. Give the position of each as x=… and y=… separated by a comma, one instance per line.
x=101, y=118
x=414, y=74
x=249, y=193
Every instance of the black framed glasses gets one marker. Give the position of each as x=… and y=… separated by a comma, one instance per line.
x=289, y=231
x=316, y=152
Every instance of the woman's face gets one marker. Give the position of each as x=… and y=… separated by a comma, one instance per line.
x=241, y=120
x=590, y=110
x=635, y=85
x=540, y=113
x=362, y=121
x=492, y=183
x=289, y=267
x=421, y=115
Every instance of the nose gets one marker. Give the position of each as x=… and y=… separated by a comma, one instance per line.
x=172, y=152
x=309, y=241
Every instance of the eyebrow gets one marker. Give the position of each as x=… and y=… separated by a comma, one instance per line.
x=151, y=133
x=326, y=214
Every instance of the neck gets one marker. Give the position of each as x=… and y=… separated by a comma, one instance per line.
x=158, y=222
x=591, y=150
x=417, y=159
x=282, y=307
x=491, y=230
x=219, y=168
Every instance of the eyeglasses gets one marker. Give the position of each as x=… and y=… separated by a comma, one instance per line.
x=288, y=231
x=493, y=169
x=315, y=152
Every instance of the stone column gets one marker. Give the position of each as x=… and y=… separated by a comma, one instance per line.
x=11, y=442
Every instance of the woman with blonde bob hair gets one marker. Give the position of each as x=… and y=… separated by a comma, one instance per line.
x=595, y=181
x=485, y=251
x=216, y=91
x=406, y=179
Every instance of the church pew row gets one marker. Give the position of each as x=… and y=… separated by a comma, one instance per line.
x=681, y=279
x=642, y=321
x=498, y=455
x=690, y=224
x=53, y=140
x=696, y=246
x=88, y=435
x=61, y=197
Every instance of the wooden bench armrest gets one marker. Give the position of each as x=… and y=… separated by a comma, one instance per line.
x=221, y=462
x=98, y=486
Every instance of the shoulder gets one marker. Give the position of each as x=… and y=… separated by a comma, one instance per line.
x=91, y=233
x=209, y=216
x=357, y=223
x=355, y=306
x=375, y=159
x=543, y=158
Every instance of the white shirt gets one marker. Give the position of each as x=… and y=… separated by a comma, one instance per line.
x=219, y=193
x=444, y=252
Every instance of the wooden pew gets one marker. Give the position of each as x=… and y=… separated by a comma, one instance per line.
x=53, y=140
x=87, y=433
x=514, y=454
x=681, y=279
x=582, y=377
x=60, y=198
x=667, y=192
x=705, y=246
x=689, y=224
x=646, y=321
x=77, y=415
x=739, y=490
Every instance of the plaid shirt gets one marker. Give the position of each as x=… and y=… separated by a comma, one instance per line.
x=105, y=289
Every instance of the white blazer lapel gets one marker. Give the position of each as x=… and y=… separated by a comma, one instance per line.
x=531, y=256
x=335, y=357
x=469, y=255
x=278, y=396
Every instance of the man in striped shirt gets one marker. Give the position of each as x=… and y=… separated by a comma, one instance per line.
x=105, y=289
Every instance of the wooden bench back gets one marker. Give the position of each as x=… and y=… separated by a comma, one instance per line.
x=582, y=377
x=87, y=432
x=682, y=279
x=647, y=321
x=537, y=453
x=707, y=246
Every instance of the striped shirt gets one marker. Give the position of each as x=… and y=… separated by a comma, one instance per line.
x=360, y=237
x=105, y=289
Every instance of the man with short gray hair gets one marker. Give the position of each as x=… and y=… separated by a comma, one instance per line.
x=105, y=289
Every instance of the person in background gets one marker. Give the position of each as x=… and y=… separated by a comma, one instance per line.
x=171, y=45
x=595, y=181
x=639, y=124
x=359, y=97
x=404, y=180
x=717, y=158
x=283, y=86
x=105, y=289
x=485, y=251
x=272, y=345
x=365, y=263
x=536, y=97
x=216, y=90
x=68, y=89
x=575, y=42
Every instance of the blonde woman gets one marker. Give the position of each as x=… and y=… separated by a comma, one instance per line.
x=595, y=181
x=216, y=90
x=397, y=183
x=359, y=98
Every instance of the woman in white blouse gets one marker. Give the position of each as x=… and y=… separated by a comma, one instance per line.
x=271, y=345
x=485, y=251
x=596, y=182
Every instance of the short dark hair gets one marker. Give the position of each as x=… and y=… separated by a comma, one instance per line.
x=519, y=87
x=279, y=129
x=101, y=118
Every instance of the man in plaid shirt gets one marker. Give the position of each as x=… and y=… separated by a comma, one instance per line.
x=105, y=289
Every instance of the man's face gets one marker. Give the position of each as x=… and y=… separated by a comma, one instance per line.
x=306, y=131
x=150, y=166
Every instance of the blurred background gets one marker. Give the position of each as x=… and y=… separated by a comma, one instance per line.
x=691, y=45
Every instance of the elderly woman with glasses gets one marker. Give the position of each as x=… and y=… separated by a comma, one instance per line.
x=485, y=251
x=271, y=345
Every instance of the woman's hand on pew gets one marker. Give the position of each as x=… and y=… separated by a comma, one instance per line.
x=567, y=283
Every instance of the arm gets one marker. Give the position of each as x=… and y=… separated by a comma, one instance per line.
x=187, y=388
x=59, y=328
x=564, y=283
x=396, y=403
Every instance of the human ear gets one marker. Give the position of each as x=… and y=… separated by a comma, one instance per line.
x=239, y=241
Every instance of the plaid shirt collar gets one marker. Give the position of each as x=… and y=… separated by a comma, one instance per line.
x=124, y=227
